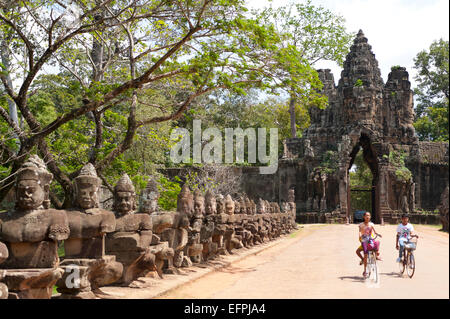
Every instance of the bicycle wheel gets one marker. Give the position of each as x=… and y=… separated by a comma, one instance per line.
x=411, y=266
x=401, y=265
x=369, y=266
x=374, y=268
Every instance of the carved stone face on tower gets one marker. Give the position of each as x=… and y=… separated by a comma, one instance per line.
x=229, y=205
x=87, y=185
x=210, y=203
x=291, y=195
x=124, y=196
x=199, y=203
x=32, y=185
x=185, y=203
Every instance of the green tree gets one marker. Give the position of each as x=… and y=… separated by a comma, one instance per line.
x=432, y=92
x=316, y=34
x=361, y=176
x=112, y=57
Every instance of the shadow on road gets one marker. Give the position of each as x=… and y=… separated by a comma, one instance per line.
x=352, y=278
x=392, y=274
x=234, y=270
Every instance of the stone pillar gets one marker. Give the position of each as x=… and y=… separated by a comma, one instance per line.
x=343, y=191
x=383, y=192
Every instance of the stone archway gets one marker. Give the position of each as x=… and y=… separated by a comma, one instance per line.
x=370, y=157
x=364, y=110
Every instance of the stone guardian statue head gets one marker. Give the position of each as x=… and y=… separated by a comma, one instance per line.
x=185, y=202
x=220, y=204
x=261, y=206
x=210, y=203
x=229, y=205
x=199, y=203
x=33, y=185
x=86, y=186
x=124, y=196
x=149, y=198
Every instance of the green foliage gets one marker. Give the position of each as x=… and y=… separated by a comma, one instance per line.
x=361, y=176
x=397, y=159
x=225, y=110
x=61, y=251
x=169, y=191
x=395, y=67
x=432, y=92
x=308, y=34
x=329, y=163
x=403, y=173
x=226, y=48
x=361, y=201
x=358, y=83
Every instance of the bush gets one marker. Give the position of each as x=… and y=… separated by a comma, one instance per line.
x=397, y=159
x=168, y=193
x=358, y=83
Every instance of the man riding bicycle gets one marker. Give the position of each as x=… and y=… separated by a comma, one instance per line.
x=404, y=235
x=367, y=238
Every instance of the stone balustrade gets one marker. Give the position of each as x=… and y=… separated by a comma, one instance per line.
x=103, y=247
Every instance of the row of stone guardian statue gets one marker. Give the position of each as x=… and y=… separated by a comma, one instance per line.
x=103, y=248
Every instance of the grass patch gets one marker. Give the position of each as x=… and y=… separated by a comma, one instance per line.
x=61, y=251
x=296, y=233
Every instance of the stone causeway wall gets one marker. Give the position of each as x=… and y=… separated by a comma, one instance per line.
x=86, y=247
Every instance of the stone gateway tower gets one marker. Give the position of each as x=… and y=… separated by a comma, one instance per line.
x=363, y=113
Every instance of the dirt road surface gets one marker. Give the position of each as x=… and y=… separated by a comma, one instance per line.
x=319, y=261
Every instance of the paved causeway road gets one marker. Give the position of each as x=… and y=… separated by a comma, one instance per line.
x=319, y=262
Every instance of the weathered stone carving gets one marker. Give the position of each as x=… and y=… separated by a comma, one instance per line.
x=149, y=198
x=363, y=113
x=131, y=240
x=231, y=242
x=309, y=152
x=207, y=230
x=31, y=232
x=3, y=256
x=177, y=234
x=85, y=247
x=220, y=225
x=194, y=248
x=443, y=209
x=412, y=197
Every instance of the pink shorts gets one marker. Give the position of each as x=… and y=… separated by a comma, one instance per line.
x=372, y=245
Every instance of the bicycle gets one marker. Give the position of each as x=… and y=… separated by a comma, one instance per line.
x=408, y=261
x=372, y=267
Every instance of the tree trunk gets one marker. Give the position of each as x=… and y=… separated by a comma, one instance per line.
x=4, y=52
x=292, y=115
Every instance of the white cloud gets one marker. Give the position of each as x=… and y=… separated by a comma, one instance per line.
x=396, y=29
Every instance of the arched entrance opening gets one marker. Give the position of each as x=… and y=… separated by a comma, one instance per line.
x=362, y=193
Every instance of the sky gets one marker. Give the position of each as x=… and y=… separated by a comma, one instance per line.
x=396, y=29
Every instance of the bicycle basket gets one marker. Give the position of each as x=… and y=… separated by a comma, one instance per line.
x=411, y=244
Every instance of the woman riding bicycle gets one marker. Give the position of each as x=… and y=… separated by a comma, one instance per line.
x=367, y=238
